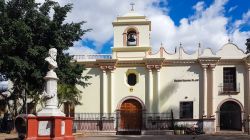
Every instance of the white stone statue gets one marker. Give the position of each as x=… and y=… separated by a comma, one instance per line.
x=52, y=59
x=50, y=92
x=52, y=65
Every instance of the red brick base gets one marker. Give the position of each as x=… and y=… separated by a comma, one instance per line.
x=55, y=130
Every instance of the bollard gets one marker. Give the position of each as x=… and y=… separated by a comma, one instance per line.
x=21, y=125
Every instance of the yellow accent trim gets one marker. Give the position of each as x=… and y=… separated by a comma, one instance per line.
x=117, y=23
x=131, y=49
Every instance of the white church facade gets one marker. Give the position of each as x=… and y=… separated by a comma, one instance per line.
x=203, y=86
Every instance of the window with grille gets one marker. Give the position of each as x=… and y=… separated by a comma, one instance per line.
x=229, y=79
x=186, y=110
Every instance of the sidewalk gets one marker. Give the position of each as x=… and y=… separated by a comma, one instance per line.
x=12, y=136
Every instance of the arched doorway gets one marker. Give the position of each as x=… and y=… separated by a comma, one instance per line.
x=130, y=121
x=230, y=116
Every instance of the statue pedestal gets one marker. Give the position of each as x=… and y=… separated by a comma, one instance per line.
x=51, y=103
x=50, y=112
x=50, y=123
x=50, y=127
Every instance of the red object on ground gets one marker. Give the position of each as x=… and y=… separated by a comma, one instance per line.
x=51, y=128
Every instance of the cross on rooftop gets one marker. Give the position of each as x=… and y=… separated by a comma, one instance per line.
x=132, y=6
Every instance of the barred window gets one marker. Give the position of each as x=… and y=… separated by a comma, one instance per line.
x=229, y=79
x=186, y=110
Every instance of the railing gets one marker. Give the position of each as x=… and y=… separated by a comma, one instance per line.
x=94, y=121
x=229, y=88
x=88, y=57
x=122, y=121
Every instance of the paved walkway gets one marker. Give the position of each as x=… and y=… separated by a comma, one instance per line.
x=13, y=136
x=166, y=137
x=4, y=136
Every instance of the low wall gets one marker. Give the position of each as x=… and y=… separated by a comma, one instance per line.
x=208, y=125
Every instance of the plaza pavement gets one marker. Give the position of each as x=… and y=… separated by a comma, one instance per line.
x=168, y=137
x=13, y=136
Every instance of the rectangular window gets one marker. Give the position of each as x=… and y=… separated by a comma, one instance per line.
x=186, y=110
x=229, y=79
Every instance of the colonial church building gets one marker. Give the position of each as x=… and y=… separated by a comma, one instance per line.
x=207, y=87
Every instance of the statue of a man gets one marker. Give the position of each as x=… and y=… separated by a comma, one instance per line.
x=52, y=65
x=52, y=58
x=50, y=89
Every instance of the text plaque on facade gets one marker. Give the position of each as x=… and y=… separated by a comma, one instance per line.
x=186, y=80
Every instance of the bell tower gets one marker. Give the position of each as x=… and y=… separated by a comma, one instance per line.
x=131, y=34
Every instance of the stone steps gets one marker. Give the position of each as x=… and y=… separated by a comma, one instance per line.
x=157, y=132
x=113, y=133
x=230, y=133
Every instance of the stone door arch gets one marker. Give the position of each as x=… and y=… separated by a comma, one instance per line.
x=130, y=116
x=230, y=113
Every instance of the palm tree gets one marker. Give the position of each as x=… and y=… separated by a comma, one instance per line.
x=68, y=95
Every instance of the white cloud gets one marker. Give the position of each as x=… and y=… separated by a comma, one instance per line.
x=245, y=20
x=79, y=49
x=207, y=25
x=233, y=8
x=199, y=6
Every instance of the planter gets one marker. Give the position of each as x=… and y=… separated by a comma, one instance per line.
x=177, y=132
x=182, y=131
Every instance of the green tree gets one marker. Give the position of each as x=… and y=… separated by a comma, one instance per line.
x=27, y=32
x=248, y=46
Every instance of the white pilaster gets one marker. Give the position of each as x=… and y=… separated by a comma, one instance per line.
x=212, y=115
x=111, y=91
x=158, y=89
x=150, y=91
x=247, y=96
x=205, y=90
x=248, y=92
x=104, y=91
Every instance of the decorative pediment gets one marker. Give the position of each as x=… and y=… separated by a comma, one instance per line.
x=207, y=53
x=230, y=51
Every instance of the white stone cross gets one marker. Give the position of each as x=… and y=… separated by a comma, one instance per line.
x=132, y=6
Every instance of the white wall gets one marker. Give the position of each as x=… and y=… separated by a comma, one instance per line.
x=240, y=74
x=122, y=89
x=91, y=94
x=172, y=93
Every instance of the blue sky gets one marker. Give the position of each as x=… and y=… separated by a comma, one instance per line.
x=233, y=9
x=209, y=22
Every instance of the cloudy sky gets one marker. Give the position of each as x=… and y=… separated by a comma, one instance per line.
x=189, y=22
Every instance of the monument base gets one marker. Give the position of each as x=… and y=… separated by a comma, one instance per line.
x=50, y=112
x=49, y=128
